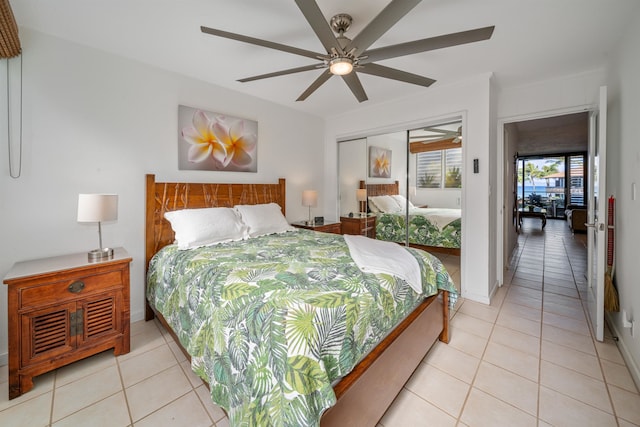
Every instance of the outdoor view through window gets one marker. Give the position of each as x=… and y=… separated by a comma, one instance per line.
x=550, y=184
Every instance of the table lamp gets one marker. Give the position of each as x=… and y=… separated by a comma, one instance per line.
x=361, y=195
x=310, y=199
x=98, y=208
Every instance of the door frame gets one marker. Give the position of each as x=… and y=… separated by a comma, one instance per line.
x=503, y=221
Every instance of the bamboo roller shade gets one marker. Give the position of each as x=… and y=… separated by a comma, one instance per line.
x=9, y=41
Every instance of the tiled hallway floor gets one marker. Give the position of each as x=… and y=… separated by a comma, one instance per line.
x=528, y=359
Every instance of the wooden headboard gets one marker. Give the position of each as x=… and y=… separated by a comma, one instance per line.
x=163, y=197
x=381, y=189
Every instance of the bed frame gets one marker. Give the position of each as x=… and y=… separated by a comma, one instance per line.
x=364, y=394
x=394, y=188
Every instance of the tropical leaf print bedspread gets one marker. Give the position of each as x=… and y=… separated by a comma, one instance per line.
x=271, y=322
x=392, y=227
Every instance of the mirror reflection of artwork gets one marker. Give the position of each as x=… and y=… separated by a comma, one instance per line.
x=215, y=142
x=379, y=162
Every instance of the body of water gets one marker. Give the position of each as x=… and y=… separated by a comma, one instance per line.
x=528, y=189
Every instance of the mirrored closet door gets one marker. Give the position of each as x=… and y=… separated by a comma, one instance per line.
x=404, y=186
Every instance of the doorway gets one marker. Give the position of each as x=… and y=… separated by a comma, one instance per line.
x=540, y=142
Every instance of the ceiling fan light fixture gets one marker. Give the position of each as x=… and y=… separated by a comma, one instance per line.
x=341, y=66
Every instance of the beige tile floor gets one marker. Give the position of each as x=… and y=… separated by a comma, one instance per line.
x=527, y=359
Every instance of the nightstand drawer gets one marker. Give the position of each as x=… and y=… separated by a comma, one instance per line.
x=77, y=286
x=334, y=228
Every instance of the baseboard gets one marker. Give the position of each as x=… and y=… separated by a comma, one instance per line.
x=477, y=298
x=634, y=370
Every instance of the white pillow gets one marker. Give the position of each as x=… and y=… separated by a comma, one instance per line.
x=386, y=204
x=263, y=219
x=402, y=201
x=201, y=227
x=372, y=206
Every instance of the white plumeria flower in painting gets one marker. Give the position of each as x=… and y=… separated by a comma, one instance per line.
x=239, y=147
x=202, y=139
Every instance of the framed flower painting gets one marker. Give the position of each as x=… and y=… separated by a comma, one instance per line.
x=379, y=162
x=215, y=142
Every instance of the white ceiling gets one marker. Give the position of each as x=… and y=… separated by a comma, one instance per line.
x=533, y=40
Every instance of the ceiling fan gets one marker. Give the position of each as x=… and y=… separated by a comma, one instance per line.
x=346, y=57
x=434, y=134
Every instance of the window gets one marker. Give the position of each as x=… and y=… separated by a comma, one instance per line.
x=432, y=166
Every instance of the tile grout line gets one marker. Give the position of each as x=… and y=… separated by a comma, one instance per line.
x=124, y=391
x=53, y=397
x=544, y=242
x=593, y=339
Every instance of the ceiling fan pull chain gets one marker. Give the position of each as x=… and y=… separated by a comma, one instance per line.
x=13, y=174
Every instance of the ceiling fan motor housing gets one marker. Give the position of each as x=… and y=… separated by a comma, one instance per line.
x=341, y=22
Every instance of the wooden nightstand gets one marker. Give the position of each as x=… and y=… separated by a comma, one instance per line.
x=63, y=309
x=364, y=226
x=327, y=227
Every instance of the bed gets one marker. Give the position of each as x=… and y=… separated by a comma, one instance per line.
x=364, y=393
x=431, y=229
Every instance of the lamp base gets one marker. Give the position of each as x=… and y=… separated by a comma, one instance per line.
x=98, y=255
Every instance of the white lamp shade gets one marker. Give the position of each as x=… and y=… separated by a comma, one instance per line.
x=310, y=198
x=361, y=194
x=97, y=207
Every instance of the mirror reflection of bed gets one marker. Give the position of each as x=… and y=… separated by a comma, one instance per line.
x=430, y=228
x=436, y=230
x=424, y=166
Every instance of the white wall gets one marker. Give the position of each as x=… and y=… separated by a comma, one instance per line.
x=623, y=169
x=469, y=98
x=94, y=122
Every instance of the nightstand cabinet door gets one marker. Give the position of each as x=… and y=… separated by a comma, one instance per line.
x=46, y=334
x=99, y=318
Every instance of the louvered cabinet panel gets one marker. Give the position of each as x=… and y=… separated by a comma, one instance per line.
x=47, y=333
x=100, y=317
x=63, y=309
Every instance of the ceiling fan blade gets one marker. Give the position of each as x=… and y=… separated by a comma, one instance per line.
x=281, y=73
x=354, y=84
x=381, y=24
x=433, y=137
x=392, y=73
x=319, y=24
x=264, y=43
x=315, y=85
x=424, y=45
x=442, y=131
